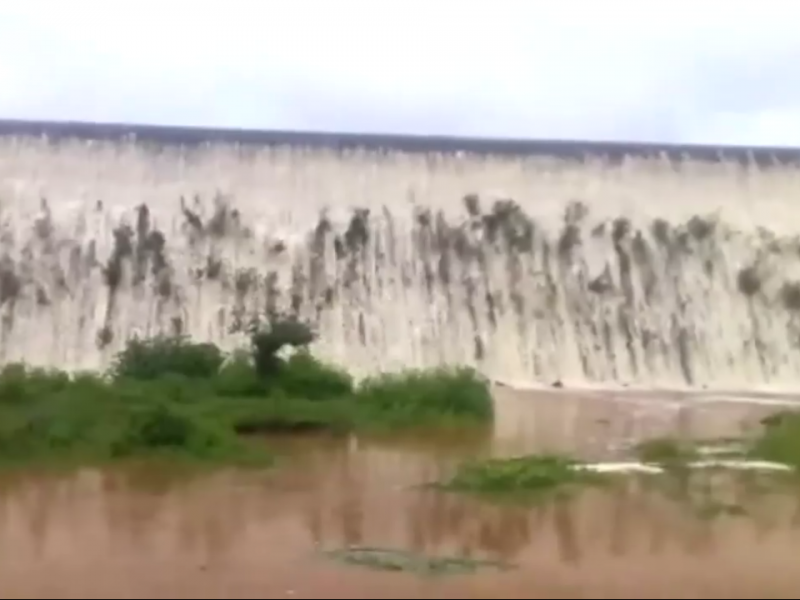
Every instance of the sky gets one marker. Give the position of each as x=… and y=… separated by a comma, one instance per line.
x=708, y=71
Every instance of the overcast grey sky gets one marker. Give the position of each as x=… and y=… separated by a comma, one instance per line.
x=717, y=71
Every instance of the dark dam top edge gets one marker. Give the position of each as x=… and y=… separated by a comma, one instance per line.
x=159, y=135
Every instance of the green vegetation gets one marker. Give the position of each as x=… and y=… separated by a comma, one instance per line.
x=525, y=478
x=687, y=470
x=170, y=396
x=438, y=396
x=668, y=453
x=393, y=559
x=777, y=441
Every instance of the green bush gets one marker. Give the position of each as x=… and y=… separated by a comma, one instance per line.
x=415, y=396
x=20, y=383
x=53, y=415
x=164, y=427
x=303, y=376
x=94, y=420
x=237, y=378
x=163, y=355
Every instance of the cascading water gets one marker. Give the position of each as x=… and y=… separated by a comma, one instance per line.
x=533, y=270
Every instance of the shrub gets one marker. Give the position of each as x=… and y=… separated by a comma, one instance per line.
x=419, y=395
x=303, y=376
x=58, y=421
x=177, y=355
x=238, y=378
x=164, y=427
x=19, y=383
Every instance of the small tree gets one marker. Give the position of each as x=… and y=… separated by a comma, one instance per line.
x=267, y=340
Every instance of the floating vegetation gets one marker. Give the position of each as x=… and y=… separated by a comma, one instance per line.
x=700, y=474
x=525, y=478
x=771, y=450
x=405, y=561
x=667, y=453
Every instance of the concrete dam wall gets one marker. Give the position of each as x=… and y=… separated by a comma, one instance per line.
x=643, y=272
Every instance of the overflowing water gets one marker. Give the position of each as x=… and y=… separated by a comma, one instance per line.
x=645, y=273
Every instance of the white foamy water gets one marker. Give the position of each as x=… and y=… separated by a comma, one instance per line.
x=664, y=275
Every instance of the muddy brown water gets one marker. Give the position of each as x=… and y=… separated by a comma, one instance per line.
x=147, y=533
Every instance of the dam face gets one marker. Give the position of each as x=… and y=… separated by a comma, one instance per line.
x=532, y=270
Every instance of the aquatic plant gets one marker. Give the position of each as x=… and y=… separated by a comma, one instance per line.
x=667, y=452
x=399, y=560
x=779, y=439
x=532, y=477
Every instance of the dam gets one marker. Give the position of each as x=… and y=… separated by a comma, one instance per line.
x=642, y=271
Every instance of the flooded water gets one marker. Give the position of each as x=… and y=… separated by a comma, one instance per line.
x=601, y=425
x=146, y=532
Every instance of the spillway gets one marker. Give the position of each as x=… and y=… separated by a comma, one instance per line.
x=644, y=272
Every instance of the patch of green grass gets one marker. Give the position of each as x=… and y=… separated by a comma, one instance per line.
x=779, y=440
x=667, y=453
x=526, y=478
x=303, y=376
x=413, y=398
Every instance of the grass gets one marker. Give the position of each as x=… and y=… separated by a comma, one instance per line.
x=529, y=478
x=172, y=397
x=707, y=494
x=777, y=441
x=537, y=477
x=415, y=397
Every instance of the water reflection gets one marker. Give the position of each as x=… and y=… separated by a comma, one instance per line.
x=337, y=496
x=603, y=425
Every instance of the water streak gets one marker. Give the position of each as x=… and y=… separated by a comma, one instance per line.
x=533, y=270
